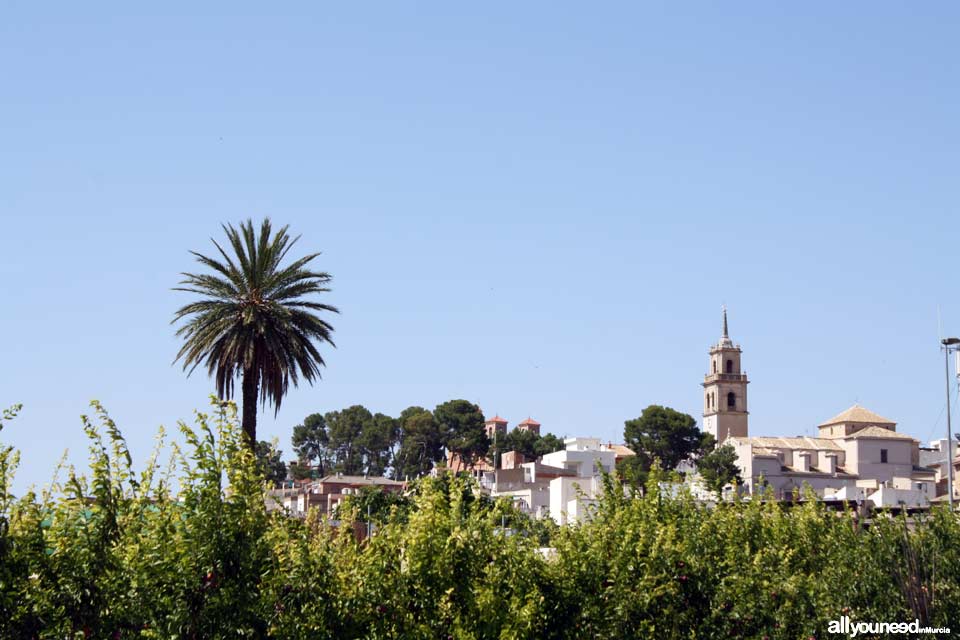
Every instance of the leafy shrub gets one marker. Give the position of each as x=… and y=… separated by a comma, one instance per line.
x=186, y=549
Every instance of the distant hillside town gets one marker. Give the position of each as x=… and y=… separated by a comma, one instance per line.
x=857, y=458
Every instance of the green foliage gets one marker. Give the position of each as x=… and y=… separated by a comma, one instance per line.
x=187, y=550
x=303, y=471
x=531, y=445
x=310, y=440
x=352, y=441
x=547, y=443
x=634, y=470
x=422, y=441
x=718, y=468
x=269, y=461
x=662, y=433
x=377, y=442
x=254, y=318
x=462, y=423
x=376, y=503
x=346, y=430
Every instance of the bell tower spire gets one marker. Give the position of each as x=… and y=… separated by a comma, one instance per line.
x=725, y=390
x=725, y=338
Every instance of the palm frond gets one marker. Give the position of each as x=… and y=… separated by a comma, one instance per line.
x=256, y=317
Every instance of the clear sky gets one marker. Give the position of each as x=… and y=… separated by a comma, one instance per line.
x=536, y=206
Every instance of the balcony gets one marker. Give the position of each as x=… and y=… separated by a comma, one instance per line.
x=726, y=377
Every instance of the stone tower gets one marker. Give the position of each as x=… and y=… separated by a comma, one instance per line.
x=725, y=390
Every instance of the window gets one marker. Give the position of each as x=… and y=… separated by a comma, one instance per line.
x=883, y=455
x=729, y=366
x=714, y=366
x=732, y=404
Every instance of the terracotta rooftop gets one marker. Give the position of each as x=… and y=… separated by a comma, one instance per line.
x=878, y=432
x=531, y=421
x=803, y=442
x=856, y=413
x=496, y=419
x=621, y=449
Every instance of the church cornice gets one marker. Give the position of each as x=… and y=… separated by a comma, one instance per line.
x=725, y=413
x=715, y=378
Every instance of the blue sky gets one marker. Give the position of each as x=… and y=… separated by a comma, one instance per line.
x=539, y=207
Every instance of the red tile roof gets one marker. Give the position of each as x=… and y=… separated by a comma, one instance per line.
x=496, y=419
x=531, y=422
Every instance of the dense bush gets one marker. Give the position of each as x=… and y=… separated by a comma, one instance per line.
x=187, y=550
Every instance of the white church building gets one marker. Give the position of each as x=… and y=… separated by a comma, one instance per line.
x=856, y=454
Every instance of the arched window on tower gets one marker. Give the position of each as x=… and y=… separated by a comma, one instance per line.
x=714, y=366
x=729, y=366
x=731, y=400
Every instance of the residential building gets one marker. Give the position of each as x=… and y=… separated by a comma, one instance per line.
x=582, y=456
x=562, y=485
x=328, y=492
x=935, y=456
x=528, y=484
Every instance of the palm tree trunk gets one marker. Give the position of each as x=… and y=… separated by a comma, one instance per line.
x=251, y=387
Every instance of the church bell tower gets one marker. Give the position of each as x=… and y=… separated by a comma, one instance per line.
x=725, y=390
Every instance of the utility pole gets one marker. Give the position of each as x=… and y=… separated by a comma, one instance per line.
x=949, y=344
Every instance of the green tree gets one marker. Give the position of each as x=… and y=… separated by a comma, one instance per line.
x=377, y=442
x=529, y=444
x=547, y=443
x=462, y=423
x=345, y=429
x=302, y=470
x=664, y=433
x=421, y=443
x=719, y=468
x=523, y=442
x=310, y=441
x=374, y=501
x=254, y=319
x=270, y=463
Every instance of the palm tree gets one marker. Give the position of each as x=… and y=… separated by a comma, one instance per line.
x=253, y=320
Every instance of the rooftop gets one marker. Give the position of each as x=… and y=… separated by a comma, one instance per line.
x=878, y=432
x=801, y=442
x=620, y=449
x=856, y=413
x=364, y=480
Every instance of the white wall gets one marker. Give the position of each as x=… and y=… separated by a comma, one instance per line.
x=564, y=491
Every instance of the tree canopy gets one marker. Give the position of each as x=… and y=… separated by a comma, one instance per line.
x=310, y=441
x=345, y=429
x=718, y=468
x=662, y=433
x=527, y=443
x=422, y=442
x=254, y=318
x=269, y=462
x=463, y=426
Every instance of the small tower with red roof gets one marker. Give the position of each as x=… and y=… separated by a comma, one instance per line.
x=530, y=425
x=495, y=425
